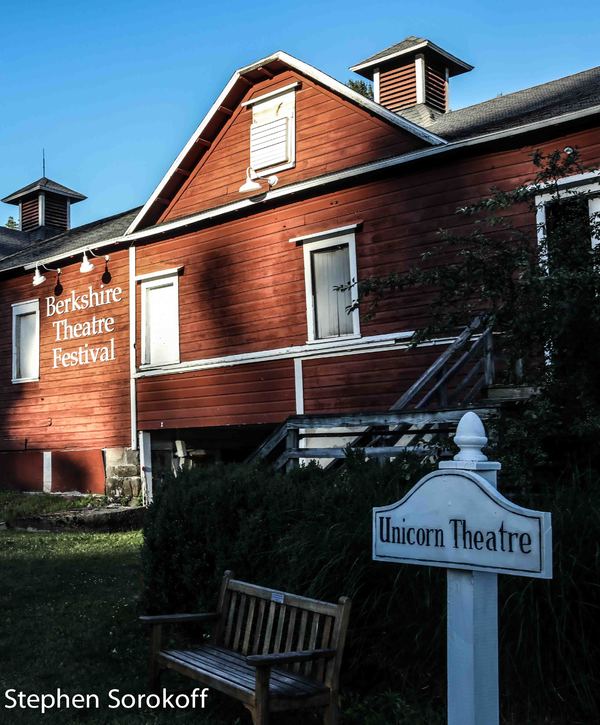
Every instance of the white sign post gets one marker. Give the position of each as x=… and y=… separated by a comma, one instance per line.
x=456, y=519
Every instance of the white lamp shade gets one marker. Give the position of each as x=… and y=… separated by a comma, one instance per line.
x=249, y=184
x=38, y=278
x=86, y=265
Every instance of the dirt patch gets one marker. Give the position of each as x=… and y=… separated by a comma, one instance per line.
x=105, y=519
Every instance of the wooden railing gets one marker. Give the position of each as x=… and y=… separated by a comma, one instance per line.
x=407, y=424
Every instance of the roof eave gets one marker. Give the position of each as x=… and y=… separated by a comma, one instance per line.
x=460, y=66
x=310, y=72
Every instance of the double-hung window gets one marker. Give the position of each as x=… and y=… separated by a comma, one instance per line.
x=330, y=262
x=573, y=212
x=273, y=130
x=26, y=341
x=160, y=318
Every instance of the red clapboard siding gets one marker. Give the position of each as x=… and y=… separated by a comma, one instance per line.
x=21, y=470
x=85, y=406
x=242, y=288
x=70, y=468
x=331, y=134
x=370, y=382
x=252, y=393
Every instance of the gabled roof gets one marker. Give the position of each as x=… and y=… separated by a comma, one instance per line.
x=222, y=109
x=411, y=44
x=44, y=184
x=87, y=236
x=545, y=101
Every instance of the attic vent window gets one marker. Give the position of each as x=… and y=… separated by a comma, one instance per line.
x=273, y=131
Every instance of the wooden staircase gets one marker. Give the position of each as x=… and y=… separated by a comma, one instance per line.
x=420, y=421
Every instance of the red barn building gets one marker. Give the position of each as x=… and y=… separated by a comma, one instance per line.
x=196, y=325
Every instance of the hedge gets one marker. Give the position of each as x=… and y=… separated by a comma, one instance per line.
x=309, y=532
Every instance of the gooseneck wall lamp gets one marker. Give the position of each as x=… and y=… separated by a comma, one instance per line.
x=87, y=265
x=39, y=278
x=252, y=181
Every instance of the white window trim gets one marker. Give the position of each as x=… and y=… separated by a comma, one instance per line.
x=308, y=248
x=24, y=308
x=325, y=234
x=268, y=170
x=157, y=279
x=376, y=85
x=569, y=186
x=271, y=94
x=159, y=275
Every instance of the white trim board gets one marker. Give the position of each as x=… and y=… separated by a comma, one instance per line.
x=325, y=233
x=567, y=187
x=375, y=343
x=299, y=187
x=271, y=94
x=311, y=73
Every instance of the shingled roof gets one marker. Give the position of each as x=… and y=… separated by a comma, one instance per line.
x=87, y=235
x=44, y=184
x=410, y=44
x=545, y=101
x=11, y=240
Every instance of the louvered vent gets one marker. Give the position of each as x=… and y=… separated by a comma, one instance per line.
x=269, y=144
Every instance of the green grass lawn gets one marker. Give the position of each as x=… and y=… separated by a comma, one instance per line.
x=69, y=609
x=68, y=604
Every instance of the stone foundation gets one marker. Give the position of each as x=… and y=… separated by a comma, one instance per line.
x=123, y=482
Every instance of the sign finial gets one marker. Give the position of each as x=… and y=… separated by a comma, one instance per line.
x=470, y=438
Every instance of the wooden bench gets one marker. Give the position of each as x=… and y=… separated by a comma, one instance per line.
x=270, y=650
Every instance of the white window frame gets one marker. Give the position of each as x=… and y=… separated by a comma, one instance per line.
x=25, y=308
x=325, y=241
x=268, y=98
x=149, y=282
x=569, y=186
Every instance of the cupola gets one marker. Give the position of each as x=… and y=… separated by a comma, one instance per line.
x=411, y=78
x=44, y=207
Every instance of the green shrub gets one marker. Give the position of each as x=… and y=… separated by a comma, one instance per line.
x=309, y=532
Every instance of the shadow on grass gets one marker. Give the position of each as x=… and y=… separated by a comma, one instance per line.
x=69, y=620
x=69, y=608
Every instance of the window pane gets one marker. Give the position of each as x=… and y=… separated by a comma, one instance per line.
x=161, y=326
x=331, y=267
x=27, y=348
x=568, y=233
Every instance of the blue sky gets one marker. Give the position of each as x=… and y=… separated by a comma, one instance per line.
x=113, y=90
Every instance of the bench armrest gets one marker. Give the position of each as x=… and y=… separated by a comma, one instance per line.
x=284, y=658
x=179, y=618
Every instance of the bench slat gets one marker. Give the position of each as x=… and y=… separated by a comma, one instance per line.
x=312, y=642
x=249, y=623
x=324, y=644
x=269, y=629
x=230, y=617
x=279, y=634
x=240, y=622
x=261, y=616
x=290, y=631
x=290, y=600
x=236, y=673
x=301, y=634
x=279, y=674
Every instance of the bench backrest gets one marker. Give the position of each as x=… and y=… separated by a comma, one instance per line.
x=257, y=620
